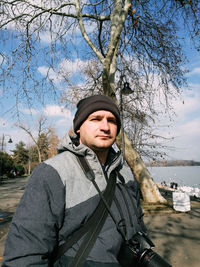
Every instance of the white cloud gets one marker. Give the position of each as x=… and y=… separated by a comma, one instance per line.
x=63, y=126
x=185, y=128
x=185, y=144
x=188, y=129
x=184, y=109
x=55, y=110
x=195, y=87
x=53, y=75
x=72, y=66
x=29, y=111
x=66, y=68
x=47, y=36
x=195, y=71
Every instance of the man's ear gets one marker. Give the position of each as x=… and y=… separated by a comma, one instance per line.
x=78, y=131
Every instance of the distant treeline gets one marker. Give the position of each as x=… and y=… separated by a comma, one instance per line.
x=166, y=163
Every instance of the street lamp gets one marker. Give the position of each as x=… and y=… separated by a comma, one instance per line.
x=2, y=141
x=126, y=90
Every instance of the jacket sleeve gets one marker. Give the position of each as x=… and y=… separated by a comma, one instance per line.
x=33, y=232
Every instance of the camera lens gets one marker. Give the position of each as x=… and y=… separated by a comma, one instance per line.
x=152, y=259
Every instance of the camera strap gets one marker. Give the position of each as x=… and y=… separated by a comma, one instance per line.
x=120, y=223
x=94, y=224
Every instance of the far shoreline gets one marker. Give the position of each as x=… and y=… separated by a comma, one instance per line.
x=172, y=163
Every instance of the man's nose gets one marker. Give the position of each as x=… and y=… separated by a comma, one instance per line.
x=105, y=125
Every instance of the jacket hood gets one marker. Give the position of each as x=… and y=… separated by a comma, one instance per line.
x=68, y=143
x=71, y=143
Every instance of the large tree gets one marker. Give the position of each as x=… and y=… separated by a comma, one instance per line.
x=134, y=41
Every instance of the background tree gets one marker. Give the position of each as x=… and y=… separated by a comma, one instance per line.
x=21, y=158
x=53, y=142
x=134, y=41
x=40, y=140
x=43, y=145
x=6, y=164
x=44, y=138
x=33, y=158
x=20, y=153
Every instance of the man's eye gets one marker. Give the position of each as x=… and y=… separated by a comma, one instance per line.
x=112, y=121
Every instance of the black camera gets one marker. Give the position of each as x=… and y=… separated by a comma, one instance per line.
x=138, y=252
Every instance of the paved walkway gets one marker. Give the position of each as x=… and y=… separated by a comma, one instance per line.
x=175, y=235
x=11, y=191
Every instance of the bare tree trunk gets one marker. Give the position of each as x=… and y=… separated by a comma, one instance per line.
x=39, y=154
x=148, y=187
x=41, y=123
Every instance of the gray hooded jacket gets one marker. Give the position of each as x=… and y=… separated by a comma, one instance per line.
x=59, y=198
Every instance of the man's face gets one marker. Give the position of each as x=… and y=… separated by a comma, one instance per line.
x=99, y=130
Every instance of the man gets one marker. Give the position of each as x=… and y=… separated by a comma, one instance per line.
x=59, y=199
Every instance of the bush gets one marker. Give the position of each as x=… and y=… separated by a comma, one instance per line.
x=6, y=164
x=19, y=169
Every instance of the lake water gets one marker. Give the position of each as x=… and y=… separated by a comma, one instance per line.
x=183, y=175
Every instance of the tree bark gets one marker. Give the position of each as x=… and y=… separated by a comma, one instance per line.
x=148, y=187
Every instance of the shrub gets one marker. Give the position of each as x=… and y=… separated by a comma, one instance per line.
x=19, y=169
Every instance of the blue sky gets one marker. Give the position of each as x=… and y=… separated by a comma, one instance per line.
x=185, y=128
x=186, y=125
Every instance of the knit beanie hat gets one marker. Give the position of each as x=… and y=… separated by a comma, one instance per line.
x=91, y=104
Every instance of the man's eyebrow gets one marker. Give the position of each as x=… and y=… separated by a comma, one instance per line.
x=95, y=116
x=99, y=117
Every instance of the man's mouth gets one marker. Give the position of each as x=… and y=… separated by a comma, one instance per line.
x=104, y=136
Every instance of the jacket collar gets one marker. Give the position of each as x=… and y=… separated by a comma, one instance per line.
x=70, y=143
